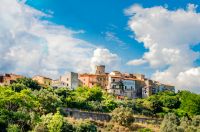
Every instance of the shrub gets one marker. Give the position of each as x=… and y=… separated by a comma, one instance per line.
x=170, y=123
x=86, y=126
x=13, y=128
x=53, y=123
x=123, y=116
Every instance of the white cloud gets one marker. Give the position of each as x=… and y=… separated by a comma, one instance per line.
x=168, y=36
x=190, y=78
x=105, y=57
x=137, y=62
x=30, y=45
x=111, y=36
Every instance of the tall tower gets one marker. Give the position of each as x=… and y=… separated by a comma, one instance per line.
x=100, y=69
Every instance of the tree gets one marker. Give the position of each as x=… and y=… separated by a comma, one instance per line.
x=94, y=94
x=170, y=101
x=152, y=103
x=190, y=102
x=123, y=116
x=55, y=124
x=15, y=107
x=13, y=128
x=170, y=123
x=28, y=82
x=86, y=126
x=18, y=87
x=49, y=101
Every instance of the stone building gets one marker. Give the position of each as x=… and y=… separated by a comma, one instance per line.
x=8, y=79
x=58, y=84
x=100, y=78
x=152, y=87
x=70, y=80
x=122, y=85
x=43, y=80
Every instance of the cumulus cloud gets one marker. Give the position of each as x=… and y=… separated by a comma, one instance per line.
x=137, y=62
x=29, y=44
x=105, y=57
x=168, y=36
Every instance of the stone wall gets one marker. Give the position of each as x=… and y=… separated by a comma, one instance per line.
x=78, y=114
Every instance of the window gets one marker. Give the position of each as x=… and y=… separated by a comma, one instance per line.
x=114, y=86
x=67, y=79
x=67, y=84
x=113, y=80
x=125, y=87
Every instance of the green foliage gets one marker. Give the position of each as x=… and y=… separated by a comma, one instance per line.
x=62, y=93
x=123, y=116
x=18, y=87
x=190, y=102
x=170, y=101
x=28, y=82
x=86, y=126
x=26, y=106
x=55, y=124
x=183, y=103
x=48, y=99
x=15, y=107
x=13, y=128
x=172, y=123
x=93, y=99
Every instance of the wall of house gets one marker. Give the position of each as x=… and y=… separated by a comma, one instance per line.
x=70, y=80
x=42, y=80
x=74, y=80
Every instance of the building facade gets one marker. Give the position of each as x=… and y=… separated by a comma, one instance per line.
x=122, y=85
x=100, y=78
x=70, y=80
x=43, y=80
x=8, y=79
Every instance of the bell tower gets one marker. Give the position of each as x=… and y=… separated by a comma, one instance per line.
x=100, y=69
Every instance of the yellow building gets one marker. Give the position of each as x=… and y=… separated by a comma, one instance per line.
x=43, y=80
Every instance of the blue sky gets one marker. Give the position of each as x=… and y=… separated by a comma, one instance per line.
x=160, y=39
x=96, y=17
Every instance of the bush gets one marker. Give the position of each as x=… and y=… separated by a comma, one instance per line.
x=170, y=123
x=56, y=123
x=123, y=116
x=86, y=126
x=53, y=123
x=13, y=128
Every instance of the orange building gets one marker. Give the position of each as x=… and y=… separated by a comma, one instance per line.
x=100, y=78
x=8, y=79
x=43, y=80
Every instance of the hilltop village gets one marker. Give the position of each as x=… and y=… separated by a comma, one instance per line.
x=117, y=83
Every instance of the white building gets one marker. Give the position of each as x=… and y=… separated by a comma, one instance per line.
x=70, y=80
x=129, y=88
x=121, y=86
